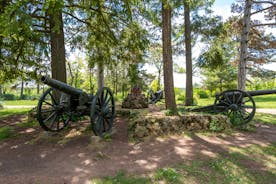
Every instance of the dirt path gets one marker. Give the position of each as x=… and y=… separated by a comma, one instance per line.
x=27, y=159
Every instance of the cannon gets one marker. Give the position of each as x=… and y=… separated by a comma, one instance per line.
x=154, y=97
x=62, y=103
x=238, y=105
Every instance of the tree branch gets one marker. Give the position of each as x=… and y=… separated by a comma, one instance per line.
x=75, y=17
x=42, y=31
x=263, y=2
x=261, y=10
x=264, y=24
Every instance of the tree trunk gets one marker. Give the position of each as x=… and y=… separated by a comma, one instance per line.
x=167, y=56
x=244, y=45
x=91, y=87
x=159, y=80
x=188, y=47
x=22, y=90
x=100, y=75
x=57, y=46
x=37, y=88
x=1, y=91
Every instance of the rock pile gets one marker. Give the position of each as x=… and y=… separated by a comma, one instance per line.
x=164, y=125
x=135, y=100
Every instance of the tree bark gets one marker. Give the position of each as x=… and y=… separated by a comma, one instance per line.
x=37, y=88
x=244, y=45
x=57, y=46
x=1, y=91
x=100, y=75
x=167, y=56
x=22, y=90
x=188, y=47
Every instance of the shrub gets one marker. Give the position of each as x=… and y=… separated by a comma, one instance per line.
x=8, y=96
x=202, y=94
x=180, y=97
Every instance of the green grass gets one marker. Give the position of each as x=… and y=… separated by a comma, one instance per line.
x=121, y=178
x=20, y=102
x=8, y=112
x=265, y=118
x=253, y=164
x=28, y=124
x=266, y=101
x=205, y=101
x=6, y=132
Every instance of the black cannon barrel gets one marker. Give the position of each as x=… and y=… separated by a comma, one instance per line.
x=61, y=86
x=261, y=92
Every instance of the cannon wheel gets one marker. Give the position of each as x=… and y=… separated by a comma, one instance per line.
x=102, y=111
x=238, y=105
x=51, y=115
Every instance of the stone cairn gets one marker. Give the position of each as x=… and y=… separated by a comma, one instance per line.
x=135, y=100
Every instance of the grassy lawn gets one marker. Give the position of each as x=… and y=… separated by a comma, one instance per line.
x=265, y=118
x=20, y=102
x=8, y=112
x=234, y=166
x=266, y=101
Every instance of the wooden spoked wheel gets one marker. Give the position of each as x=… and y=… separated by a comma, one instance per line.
x=238, y=105
x=102, y=111
x=51, y=114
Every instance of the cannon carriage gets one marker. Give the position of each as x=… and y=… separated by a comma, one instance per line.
x=238, y=105
x=62, y=103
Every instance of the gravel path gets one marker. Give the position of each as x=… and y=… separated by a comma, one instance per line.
x=268, y=111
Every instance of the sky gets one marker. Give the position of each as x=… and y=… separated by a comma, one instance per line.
x=221, y=8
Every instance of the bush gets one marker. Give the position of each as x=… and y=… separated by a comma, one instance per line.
x=24, y=97
x=1, y=105
x=180, y=97
x=8, y=97
x=202, y=94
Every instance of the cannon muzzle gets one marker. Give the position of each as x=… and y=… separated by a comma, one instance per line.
x=61, y=86
x=261, y=92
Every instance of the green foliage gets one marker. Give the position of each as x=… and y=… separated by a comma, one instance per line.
x=169, y=175
x=5, y=132
x=121, y=178
x=8, y=96
x=215, y=126
x=202, y=93
x=154, y=85
x=180, y=97
x=261, y=83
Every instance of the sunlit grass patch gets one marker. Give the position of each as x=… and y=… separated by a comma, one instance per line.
x=28, y=124
x=265, y=118
x=253, y=164
x=121, y=178
x=8, y=112
x=20, y=102
x=266, y=101
x=168, y=175
x=6, y=132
